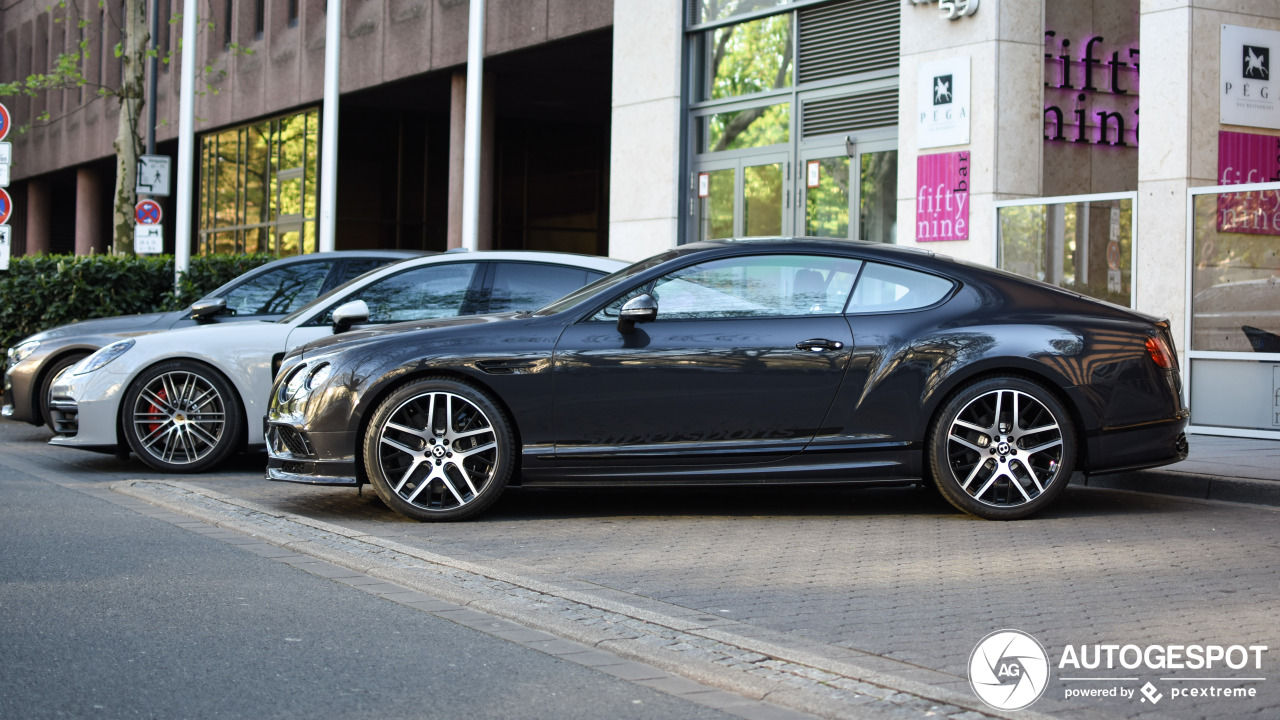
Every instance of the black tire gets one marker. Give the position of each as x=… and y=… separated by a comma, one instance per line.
x=438, y=449
x=51, y=373
x=195, y=432
x=978, y=448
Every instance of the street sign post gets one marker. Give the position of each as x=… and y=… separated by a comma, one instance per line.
x=153, y=176
x=148, y=239
x=147, y=212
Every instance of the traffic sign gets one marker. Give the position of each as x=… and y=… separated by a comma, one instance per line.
x=4, y=247
x=6, y=206
x=148, y=239
x=147, y=212
x=6, y=152
x=153, y=176
x=5, y=121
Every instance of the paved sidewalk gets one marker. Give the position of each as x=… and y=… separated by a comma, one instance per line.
x=1218, y=468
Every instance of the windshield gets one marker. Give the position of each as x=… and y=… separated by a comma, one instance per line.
x=604, y=283
x=335, y=292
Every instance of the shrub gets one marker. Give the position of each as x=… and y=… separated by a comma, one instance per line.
x=44, y=291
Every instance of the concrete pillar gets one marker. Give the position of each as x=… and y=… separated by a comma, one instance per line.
x=644, y=185
x=1004, y=42
x=38, y=203
x=89, y=222
x=457, y=134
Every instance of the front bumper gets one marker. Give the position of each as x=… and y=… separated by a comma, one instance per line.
x=82, y=422
x=296, y=455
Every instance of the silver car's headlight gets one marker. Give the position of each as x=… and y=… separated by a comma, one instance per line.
x=103, y=356
x=19, y=352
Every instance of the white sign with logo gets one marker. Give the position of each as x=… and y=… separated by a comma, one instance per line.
x=4, y=247
x=153, y=176
x=148, y=239
x=942, y=103
x=1248, y=94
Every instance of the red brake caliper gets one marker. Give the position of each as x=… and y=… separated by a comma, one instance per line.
x=156, y=411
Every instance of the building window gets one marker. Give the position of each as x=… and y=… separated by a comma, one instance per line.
x=293, y=13
x=793, y=119
x=226, y=26
x=258, y=187
x=259, y=19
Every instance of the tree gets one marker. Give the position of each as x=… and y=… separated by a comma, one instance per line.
x=67, y=73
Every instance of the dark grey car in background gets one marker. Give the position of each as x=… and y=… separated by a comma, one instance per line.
x=268, y=292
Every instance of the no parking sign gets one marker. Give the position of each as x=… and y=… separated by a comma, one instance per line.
x=6, y=206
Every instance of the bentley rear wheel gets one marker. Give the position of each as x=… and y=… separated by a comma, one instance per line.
x=1002, y=448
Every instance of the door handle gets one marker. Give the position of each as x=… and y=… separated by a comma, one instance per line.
x=819, y=345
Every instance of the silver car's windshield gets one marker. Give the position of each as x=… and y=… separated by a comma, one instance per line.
x=604, y=283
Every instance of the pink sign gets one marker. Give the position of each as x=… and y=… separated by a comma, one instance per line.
x=1248, y=158
x=942, y=196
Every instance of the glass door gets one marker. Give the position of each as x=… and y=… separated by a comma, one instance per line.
x=746, y=196
x=849, y=196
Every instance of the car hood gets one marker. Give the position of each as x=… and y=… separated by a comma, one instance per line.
x=119, y=325
x=359, y=337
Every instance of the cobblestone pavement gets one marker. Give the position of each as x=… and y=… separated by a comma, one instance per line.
x=892, y=577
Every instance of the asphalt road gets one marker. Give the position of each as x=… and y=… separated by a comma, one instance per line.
x=108, y=613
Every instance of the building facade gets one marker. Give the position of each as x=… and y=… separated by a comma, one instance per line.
x=1009, y=133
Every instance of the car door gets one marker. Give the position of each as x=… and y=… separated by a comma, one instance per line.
x=740, y=366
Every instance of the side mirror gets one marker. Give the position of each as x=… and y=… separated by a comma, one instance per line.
x=206, y=310
x=639, y=309
x=355, y=312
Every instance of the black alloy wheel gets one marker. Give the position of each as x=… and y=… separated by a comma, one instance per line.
x=439, y=449
x=1002, y=448
x=182, y=416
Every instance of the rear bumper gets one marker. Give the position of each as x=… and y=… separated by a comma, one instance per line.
x=1138, y=447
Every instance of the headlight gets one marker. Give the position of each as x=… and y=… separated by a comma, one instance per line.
x=303, y=380
x=19, y=352
x=319, y=376
x=103, y=356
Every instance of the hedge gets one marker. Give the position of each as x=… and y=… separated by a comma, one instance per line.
x=44, y=291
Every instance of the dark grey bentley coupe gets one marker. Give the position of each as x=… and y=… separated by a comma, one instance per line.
x=743, y=362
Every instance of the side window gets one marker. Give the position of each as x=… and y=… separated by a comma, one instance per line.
x=529, y=286
x=885, y=288
x=424, y=293
x=353, y=269
x=754, y=286
x=281, y=291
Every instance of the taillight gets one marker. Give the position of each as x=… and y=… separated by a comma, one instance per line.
x=1159, y=353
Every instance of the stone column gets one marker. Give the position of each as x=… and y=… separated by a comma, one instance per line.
x=457, y=134
x=644, y=187
x=89, y=222
x=1004, y=42
x=38, y=240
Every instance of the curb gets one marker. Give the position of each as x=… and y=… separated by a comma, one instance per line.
x=1159, y=481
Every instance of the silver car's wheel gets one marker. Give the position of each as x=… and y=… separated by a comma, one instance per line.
x=438, y=449
x=181, y=417
x=1002, y=448
x=45, y=397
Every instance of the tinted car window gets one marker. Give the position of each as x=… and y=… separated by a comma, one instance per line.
x=279, y=291
x=355, y=268
x=754, y=286
x=529, y=286
x=424, y=293
x=884, y=288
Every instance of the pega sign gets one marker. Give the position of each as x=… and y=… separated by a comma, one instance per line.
x=942, y=196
